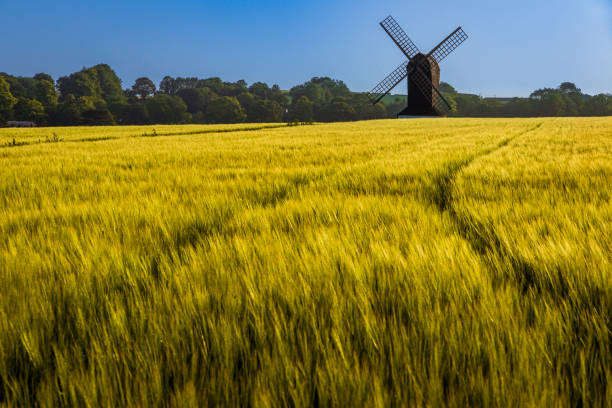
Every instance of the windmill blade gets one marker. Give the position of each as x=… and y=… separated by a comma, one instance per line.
x=387, y=84
x=399, y=37
x=426, y=86
x=448, y=45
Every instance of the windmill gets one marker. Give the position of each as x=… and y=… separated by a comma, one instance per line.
x=422, y=70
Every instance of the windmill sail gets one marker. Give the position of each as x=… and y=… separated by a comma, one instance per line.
x=448, y=45
x=387, y=84
x=399, y=37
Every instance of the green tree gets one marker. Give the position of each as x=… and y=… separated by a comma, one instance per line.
x=44, y=77
x=68, y=112
x=7, y=102
x=280, y=97
x=225, y=110
x=598, y=105
x=168, y=85
x=135, y=114
x=110, y=84
x=143, y=87
x=369, y=111
x=214, y=84
x=337, y=112
x=164, y=108
x=45, y=93
x=568, y=87
x=265, y=111
x=261, y=90
x=446, y=88
x=196, y=99
x=301, y=110
x=95, y=112
x=29, y=110
x=552, y=104
x=246, y=99
x=78, y=84
x=314, y=92
x=336, y=88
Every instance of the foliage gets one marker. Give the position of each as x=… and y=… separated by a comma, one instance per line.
x=99, y=81
x=336, y=111
x=7, y=101
x=29, y=110
x=143, y=87
x=301, y=110
x=330, y=101
x=264, y=111
x=166, y=108
x=225, y=110
x=196, y=99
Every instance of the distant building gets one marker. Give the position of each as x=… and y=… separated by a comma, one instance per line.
x=14, y=123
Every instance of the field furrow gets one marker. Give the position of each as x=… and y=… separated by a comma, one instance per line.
x=443, y=262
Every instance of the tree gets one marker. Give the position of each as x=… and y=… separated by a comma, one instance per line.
x=168, y=86
x=246, y=99
x=225, y=110
x=337, y=88
x=29, y=110
x=45, y=93
x=44, y=77
x=196, y=99
x=99, y=81
x=552, y=105
x=143, y=87
x=261, y=90
x=279, y=96
x=68, y=112
x=368, y=111
x=446, y=88
x=214, y=84
x=598, y=105
x=164, y=108
x=265, y=111
x=7, y=101
x=569, y=87
x=301, y=110
x=110, y=84
x=337, y=112
x=315, y=93
x=135, y=114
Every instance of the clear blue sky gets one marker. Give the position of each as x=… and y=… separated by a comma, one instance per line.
x=514, y=46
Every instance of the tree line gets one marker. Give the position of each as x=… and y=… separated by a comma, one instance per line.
x=95, y=96
x=566, y=100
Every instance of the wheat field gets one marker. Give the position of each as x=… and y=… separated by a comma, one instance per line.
x=385, y=263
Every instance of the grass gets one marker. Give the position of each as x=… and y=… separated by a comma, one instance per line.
x=385, y=263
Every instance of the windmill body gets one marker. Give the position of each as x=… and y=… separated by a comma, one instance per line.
x=419, y=102
x=422, y=71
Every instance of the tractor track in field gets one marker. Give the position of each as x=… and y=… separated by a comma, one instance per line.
x=482, y=238
x=16, y=143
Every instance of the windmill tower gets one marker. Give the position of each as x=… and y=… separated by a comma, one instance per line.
x=422, y=71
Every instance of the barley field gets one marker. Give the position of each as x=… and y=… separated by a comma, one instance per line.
x=459, y=262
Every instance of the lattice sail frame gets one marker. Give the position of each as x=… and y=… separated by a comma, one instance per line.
x=399, y=37
x=387, y=84
x=449, y=45
x=440, y=52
